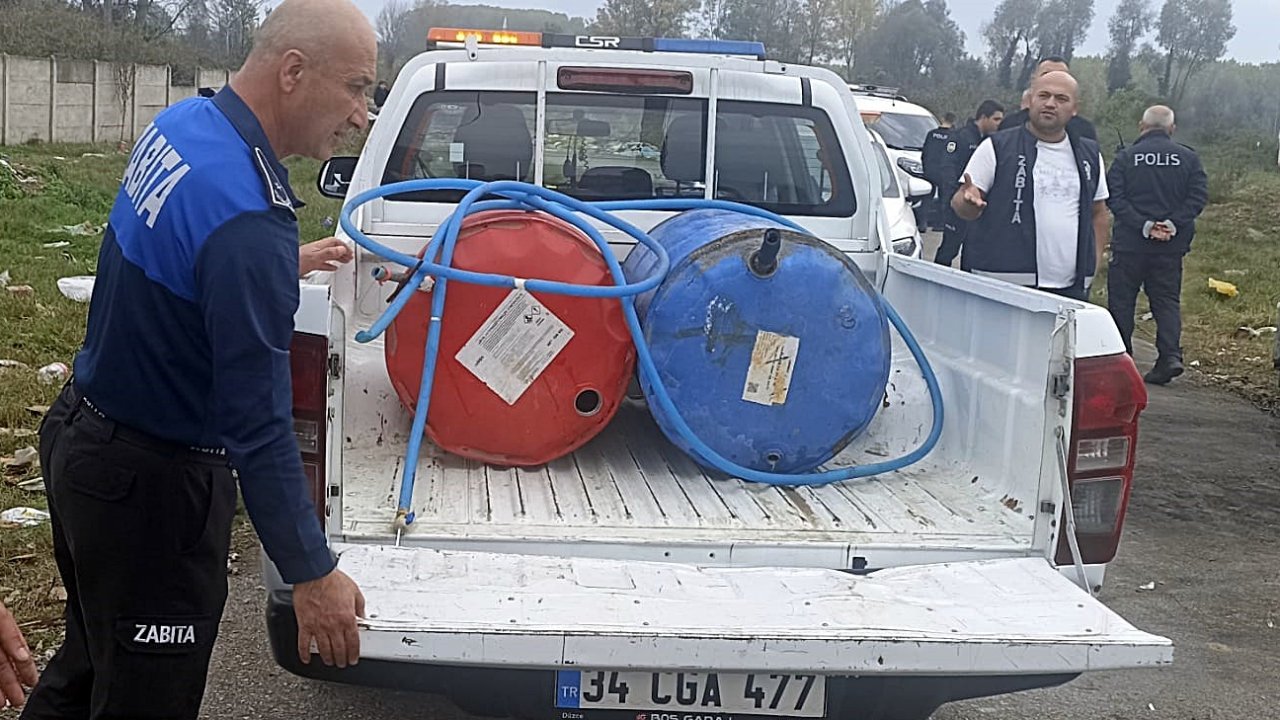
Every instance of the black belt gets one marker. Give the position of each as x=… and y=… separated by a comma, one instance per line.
x=150, y=442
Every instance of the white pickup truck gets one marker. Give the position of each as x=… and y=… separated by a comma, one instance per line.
x=625, y=581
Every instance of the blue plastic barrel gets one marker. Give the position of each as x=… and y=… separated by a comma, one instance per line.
x=771, y=342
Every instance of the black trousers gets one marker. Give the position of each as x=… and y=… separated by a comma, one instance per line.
x=141, y=530
x=1160, y=276
x=953, y=232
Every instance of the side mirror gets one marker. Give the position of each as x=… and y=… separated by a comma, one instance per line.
x=335, y=176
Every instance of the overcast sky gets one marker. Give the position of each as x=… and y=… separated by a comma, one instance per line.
x=1256, y=21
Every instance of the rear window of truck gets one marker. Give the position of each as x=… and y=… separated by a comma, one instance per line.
x=784, y=158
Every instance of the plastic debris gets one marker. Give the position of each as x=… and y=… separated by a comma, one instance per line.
x=78, y=287
x=1147, y=316
x=1225, y=289
x=37, y=410
x=23, y=517
x=1195, y=363
x=13, y=364
x=1236, y=273
x=59, y=244
x=84, y=228
x=22, y=459
x=21, y=290
x=53, y=373
x=20, y=173
x=1148, y=587
x=93, y=155
x=4, y=279
x=1244, y=332
x=35, y=484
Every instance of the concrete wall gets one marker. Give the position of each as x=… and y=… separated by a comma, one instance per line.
x=58, y=100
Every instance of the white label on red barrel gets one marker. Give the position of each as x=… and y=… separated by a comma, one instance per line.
x=773, y=359
x=514, y=345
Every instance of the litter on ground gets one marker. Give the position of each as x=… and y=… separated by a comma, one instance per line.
x=23, y=517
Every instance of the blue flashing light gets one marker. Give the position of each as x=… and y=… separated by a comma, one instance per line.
x=710, y=47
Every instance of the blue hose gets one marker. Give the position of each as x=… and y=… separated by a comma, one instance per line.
x=531, y=197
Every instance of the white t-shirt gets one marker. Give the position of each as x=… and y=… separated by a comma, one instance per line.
x=1056, y=184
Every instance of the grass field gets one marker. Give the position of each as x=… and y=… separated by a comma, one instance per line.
x=56, y=186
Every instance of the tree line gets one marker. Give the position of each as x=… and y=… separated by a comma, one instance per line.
x=1168, y=50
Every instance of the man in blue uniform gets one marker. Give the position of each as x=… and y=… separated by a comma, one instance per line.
x=183, y=384
x=959, y=149
x=931, y=161
x=1158, y=189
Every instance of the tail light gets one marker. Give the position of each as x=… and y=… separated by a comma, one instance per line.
x=1109, y=396
x=308, y=363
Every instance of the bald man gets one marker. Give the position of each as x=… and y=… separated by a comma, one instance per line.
x=183, y=384
x=1076, y=126
x=1035, y=198
x=1158, y=189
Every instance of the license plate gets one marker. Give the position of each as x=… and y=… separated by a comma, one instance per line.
x=692, y=693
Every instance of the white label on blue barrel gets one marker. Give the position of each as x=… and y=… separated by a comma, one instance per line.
x=773, y=359
x=512, y=348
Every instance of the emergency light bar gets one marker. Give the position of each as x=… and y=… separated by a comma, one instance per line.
x=448, y=37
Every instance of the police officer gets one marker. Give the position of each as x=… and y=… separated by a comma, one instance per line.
x=958, y=151
x=184, y=376
x=931, y=158
x=1158, y=189
x=1077, y=125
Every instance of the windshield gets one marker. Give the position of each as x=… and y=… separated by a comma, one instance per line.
x=783, y=158
x=901, y=131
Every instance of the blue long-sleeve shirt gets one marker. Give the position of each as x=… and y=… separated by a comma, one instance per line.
x=192, y=312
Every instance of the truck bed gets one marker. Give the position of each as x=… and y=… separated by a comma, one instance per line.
x=631, y=494
x=631, y=485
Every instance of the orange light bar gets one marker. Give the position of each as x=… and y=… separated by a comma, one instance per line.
x=484, y=37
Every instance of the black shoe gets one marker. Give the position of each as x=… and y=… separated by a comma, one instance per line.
x=1163, y=372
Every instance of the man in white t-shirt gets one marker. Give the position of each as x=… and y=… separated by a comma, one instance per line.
x=1036, y=198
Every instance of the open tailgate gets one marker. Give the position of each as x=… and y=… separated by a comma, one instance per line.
x=993, y=617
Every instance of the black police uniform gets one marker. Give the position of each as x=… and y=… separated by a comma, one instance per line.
x=1153, y=179
x=184, y=375
x=959, y=149
x=931, y=158
x=1077, y=126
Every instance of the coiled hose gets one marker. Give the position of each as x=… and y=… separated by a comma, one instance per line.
x=524, y=196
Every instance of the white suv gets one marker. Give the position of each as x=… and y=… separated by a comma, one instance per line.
x=902, y=126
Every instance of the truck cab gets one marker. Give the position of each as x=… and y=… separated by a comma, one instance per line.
x=624, y=580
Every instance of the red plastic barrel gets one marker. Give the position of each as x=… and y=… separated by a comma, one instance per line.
x=521, y=378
